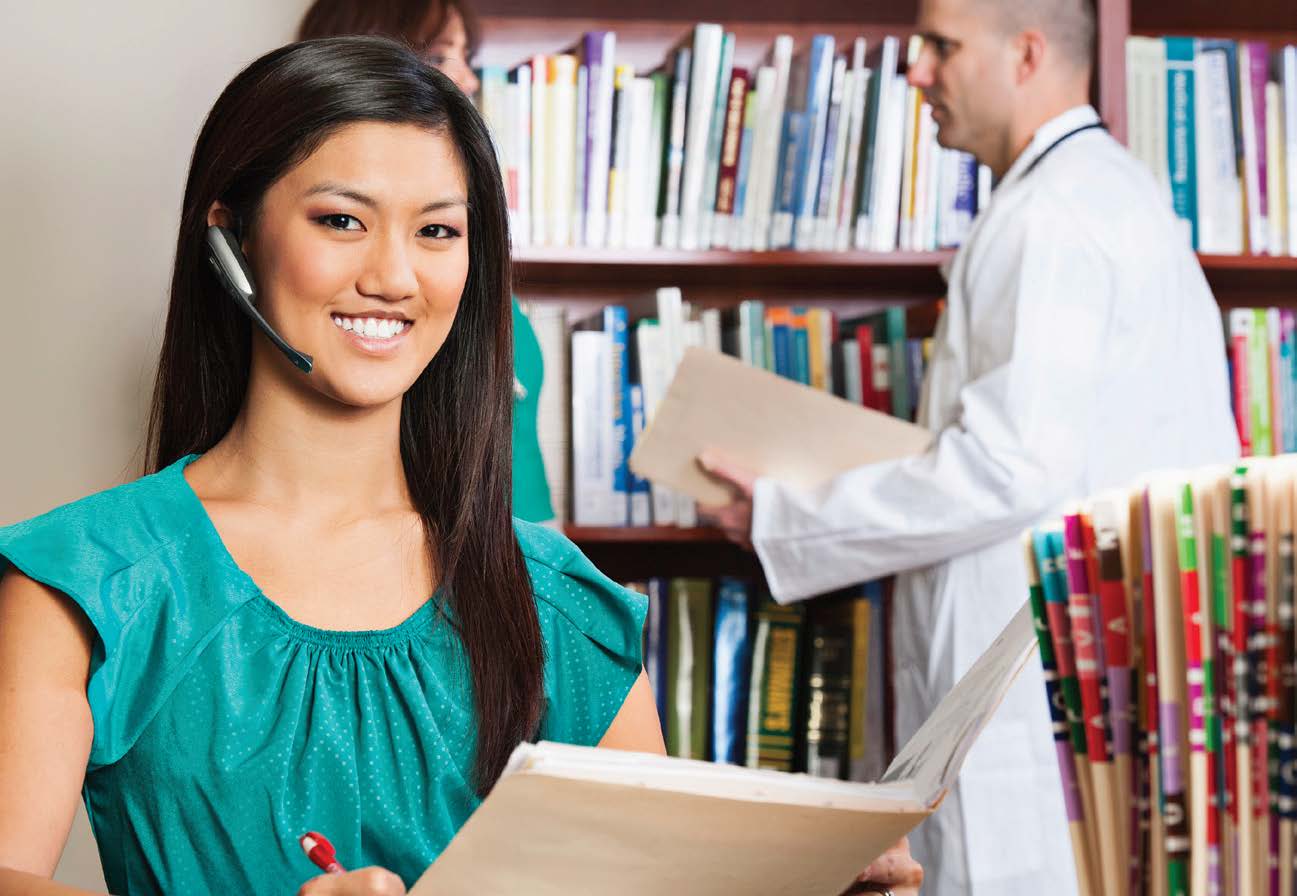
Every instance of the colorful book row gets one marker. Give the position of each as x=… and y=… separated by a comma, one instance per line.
x=814, y=149
x=743, y=680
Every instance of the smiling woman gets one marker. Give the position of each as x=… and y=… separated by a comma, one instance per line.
x=317, y=611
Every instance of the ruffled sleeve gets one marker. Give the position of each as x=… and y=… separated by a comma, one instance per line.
x=127, y=567
x=593, y=630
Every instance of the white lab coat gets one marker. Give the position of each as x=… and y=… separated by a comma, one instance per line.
x=1080, y=347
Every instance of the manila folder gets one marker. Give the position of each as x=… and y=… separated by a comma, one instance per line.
x=770, y=425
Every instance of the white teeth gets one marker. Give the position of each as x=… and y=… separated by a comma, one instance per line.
x=371, y=327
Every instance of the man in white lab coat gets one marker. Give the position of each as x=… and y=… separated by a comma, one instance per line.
x=1080, y=347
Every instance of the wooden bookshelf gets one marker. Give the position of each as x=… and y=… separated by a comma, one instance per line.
x=852, y=282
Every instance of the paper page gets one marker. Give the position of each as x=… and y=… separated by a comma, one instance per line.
x=770, y=425
x=932, y=757
x=552, y=836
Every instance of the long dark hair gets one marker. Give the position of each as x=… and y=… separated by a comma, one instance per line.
x=413, y=21
x=455, y=419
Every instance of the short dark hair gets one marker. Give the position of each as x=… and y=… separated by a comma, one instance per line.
x=1068, y=24
x=456, y=419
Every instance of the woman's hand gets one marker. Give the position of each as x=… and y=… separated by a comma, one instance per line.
x=372, y=881
x=895, y=871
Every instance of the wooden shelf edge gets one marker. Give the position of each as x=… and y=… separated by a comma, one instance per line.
x=644, y=534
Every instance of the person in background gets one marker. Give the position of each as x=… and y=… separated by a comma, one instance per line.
x=1080, y=347
x=445, y=34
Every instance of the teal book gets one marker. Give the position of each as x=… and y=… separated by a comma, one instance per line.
x=1180, y=143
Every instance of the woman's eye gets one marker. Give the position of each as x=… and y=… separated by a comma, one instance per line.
x=439, y=232
x=340, y=222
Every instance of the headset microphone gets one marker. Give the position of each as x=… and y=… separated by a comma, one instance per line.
x=232, y=270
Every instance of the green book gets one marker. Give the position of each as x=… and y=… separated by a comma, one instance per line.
x=689, y=662
x=772, y=702
x=1258, y=380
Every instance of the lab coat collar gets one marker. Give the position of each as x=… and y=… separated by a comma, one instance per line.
x=1076, y=117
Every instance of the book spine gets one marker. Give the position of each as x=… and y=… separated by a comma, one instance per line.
x=615, y=325
x=811, y=151
x=1288, y=80
x=715, y=139
x=732, y=667
x=600, y=50
x=656, y=637
x=835, y=151
x=1240, y=335
x=520, y=231
x=619, y=174
x=1180, y=133
x=707, y=44
x=581, y=171
x=673, y=161
x=739, y=238
x=592, y=417
x=828, y=698
x=731, y=145
x=641, y=501
x=898, y=363
x=773, y=699
x=539, y=146
x=1259, y=384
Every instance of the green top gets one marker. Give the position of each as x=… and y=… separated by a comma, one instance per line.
x=224, y=729
x=530, y=489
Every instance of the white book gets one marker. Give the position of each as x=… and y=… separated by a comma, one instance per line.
x=852, y=386
x=552, y=412
x=654, y=375
x=539, y=150
x=521, y=229
x=593, y=448
x=744, y=234
x=886, y=201
x=599, y=137
x=771, y=126
x=1288, y=74
x=1257, y=236
x=844, y=87
x=847, y=207
x=561, y=155
x=1276, y=168
x=643, y=158
x=1146, y=102
x=670, y=825
x=1220, y=191
x=715, y=139
x=620, y=173
x=698, y=129
x=581, y=175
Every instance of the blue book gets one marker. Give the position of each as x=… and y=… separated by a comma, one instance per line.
x=781, y=343
x=641, y=499
x=615, y=324
x=732, y=665
x=745, y=157
x=810, y=150
x=655, y=645
x=1180, y=147
x=801, y=348
x=916, y=368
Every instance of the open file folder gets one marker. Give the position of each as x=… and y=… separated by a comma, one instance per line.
x=769, y=424
x=566, y=820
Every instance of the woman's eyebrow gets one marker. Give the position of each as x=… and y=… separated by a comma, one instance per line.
x=369, y=202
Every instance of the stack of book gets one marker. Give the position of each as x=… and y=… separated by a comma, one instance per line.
x=814, y=149
x=617, y=372
x=1165, y=621
x=1216, y=121
x=742, y=680
x=1263, y=378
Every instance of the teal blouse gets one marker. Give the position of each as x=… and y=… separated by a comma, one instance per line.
x=223, y=729
x=531, y=499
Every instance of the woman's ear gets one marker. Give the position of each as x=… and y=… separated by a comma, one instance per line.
x=219, y=216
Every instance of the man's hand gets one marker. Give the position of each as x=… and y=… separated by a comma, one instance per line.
x=735, y=518
x=894, y=871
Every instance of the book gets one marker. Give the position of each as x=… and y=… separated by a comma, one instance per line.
x=709, y=403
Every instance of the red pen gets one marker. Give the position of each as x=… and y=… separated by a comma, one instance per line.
x=320, y=851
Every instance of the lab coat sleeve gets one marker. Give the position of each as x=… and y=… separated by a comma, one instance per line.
x=1015, y=450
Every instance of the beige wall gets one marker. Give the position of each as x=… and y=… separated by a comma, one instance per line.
x=102, y=102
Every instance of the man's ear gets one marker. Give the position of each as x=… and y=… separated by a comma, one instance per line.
x=1030, y=47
